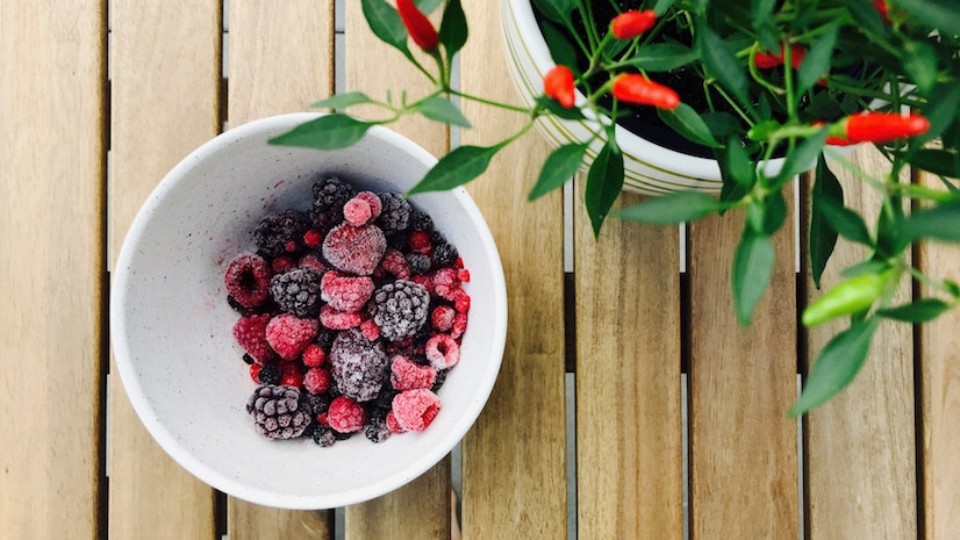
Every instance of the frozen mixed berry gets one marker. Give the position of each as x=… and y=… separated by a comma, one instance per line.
x=359, y=366
x=281, y=264
x=332, y=319
x=314, y=355
x=248, y=280
x=324, y=436
x=330, y=194
x=278, y=412
x=441, y=378
x=400, y=309
x=442, y=351
x=442, y=318
x=268, y=374
x=408, y=375
x=355, y=250
x=392, y=423
x=251, y=334
x=395, y=215
x=376, y=206
x=461, y=301
x=395, y=264
x=414, y=410
x=297, y=292
x=316, y=380
x=418, y=263
x=276, y=234
x=357, y=212
x=325, y=338
x=377, y=430
x=420, y=220
x=459, y=325
x=313, y=263
x=398, y=240
x=289, y=335
x=317, y=403
x=345, y=293
x=445, y=254
x=345, y=415
x=292, y=378
x=419, y=242
x=312, y=238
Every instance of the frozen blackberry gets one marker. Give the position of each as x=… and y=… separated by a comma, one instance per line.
x=297, y=292
x=318, y=403
x=269, y=374
x=377, y=430
x=278, y=233
x=342, y=436
x=420, y=220
x=437, y=237
x=418, y=263
x=359, y=366
x=324, y=436
x=330, y=194
x=278, y=412
x=395, y=215
x=445, y=255
x=384, y=401
x=441, y=378
x=398, y=240
x=325, y=339
x=400, y=309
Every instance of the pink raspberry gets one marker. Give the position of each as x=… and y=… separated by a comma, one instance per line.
x=395, y=263
x=251, y=334
x=371, y=198
x=424, y=281
x=419, y=241
x=459, y=325
x=345, y=293
x=314, y=263
x=414, y=410
x=316, y=381
x=289, y=336
x=461, y=301
x=463, y=275
x=442, y=351
x=442, y=318
x=392, y=424
x=355, y=250
x=370, y=330
x=408, y=375
x=281, y=264
x=248, y=280
x=338, y=320
x=357, y=212
x=345, y=415
x=445, y=282
x=313, y=356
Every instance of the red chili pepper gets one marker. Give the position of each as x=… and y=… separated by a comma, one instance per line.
x=834, y=140
x=878, y=127
x=558, y=84
x=882, y=9
x=638, y=89
x=418, y=25
x=631, y=24
x=769, y=60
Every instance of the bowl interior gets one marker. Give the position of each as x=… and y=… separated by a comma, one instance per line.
x=172, y=327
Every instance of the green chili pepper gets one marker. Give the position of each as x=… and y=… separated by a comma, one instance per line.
x=848, y=297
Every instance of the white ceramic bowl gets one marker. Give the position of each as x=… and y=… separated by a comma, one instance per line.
x=172, y=328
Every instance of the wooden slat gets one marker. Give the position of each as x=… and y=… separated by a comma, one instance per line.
x=513, y=458
x=165, y=84
x=281, y=59
x=629, y=481
x=861, y=445
x=421, y=509
x=743, y=456
x=940, y=363
x=52, y=63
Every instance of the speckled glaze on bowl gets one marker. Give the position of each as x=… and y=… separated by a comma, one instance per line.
x=171, y=325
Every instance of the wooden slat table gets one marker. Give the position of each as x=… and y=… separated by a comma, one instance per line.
x=679, y=413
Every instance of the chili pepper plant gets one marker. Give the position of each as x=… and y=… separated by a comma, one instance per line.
x=795, y=79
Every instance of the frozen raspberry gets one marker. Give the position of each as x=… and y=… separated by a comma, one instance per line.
x=251, y=334
x=281, y=264
x=446, y=284
x=339, y=320
x=289, y=335
x=407, y=375
x=370, y=330
x=312, y=238
x=314, y=263
x=459, y=325
x=463, y=275
x=442, y=318
x=395, y=263
x=400, y=309
x=268, y=374
x=292, y=378
x=392, y=424
x=418, y=263
x=414, y=410
x=419, y=242
x=420, y=220
x=458, y=263
x=461, y=301
x=373, y=200
x=442, y=351
x=345, y=293
x=316, y=381
x=297, y=292
x=444, y=255
x=274, y=233
x=424, y=281
x=248, y=280
x=324, y=437
x=355, y=250
x=359, y=366
x=278, y=412
x=395, y=215
x=357, y=212
x=313, y=355
x=330, y=194
x=255, y=372
x=377, y=430
x=345, y=415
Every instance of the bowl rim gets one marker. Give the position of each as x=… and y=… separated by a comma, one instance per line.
x=209, y=475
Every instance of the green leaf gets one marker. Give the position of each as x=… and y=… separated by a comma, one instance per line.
x=556, y=10
x=428, y=6
x=866, y=267
x=673, y=208
x=440, y=109
x=385, y=23
x=561, y=50
x=572, y=113
x=775, y=212
x=662, y=6
x=845, y=221
x=939, y=162
x=722, y=124
x=920, y=62
x=817, y=62
x=941, y=109
x=685, y=121
x=326, y=133
x=940, y=222
x=837, y=365
x=453, y=28
x=722, y=63
x=559, y=167
x=662, y=57
x=768, y=35
x=866, y=16
x=803, y=156
x=458, y=167
x=752, y=269
x=341, y=101
x=604, y=182
x=822, y=237
x=939, y=14
x=738, y=164
x=760, y=11
x=919, y=311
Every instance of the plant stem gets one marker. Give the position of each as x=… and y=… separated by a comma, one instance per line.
x=485, y=101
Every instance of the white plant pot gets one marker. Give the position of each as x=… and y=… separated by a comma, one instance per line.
x=648, y=167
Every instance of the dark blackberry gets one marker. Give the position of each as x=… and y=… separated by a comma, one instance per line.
x=399, y=240
x=324, y=436
x=330, y=194
x=269, y=374
x=323, y=221
x=377, y=431
x=418, y=263
x=400, y=309
x=437, y=237
x=318, y=403
x=248, y=359
x=325, y=339
x=420, y=220
x=297, y=292
x=441, y=378
x=444, y=255
x=395, y=215
x=278, y=412
x=341, y=436
x=275, y=233
x=334, y=390
x=384, y=401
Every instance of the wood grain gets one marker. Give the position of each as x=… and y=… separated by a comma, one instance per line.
x=281, y=59
x=861, y=445
x=940, y=364
x=513, y=458
x=52, y=68
x=629, y=481
x=421, y=509
x=165, y=86
x=743, y=454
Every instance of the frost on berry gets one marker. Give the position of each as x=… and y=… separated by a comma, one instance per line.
x=358, y=365
x=354, y=250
